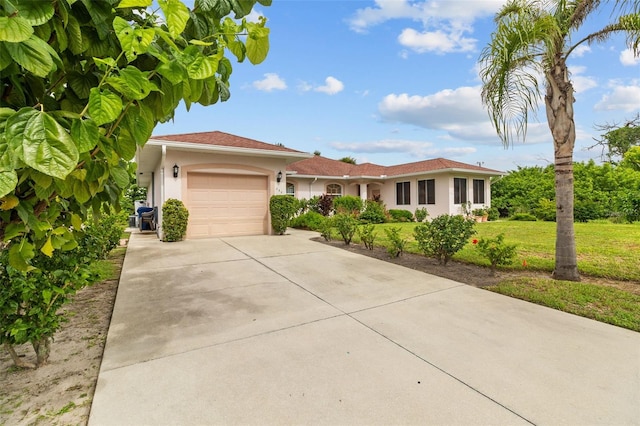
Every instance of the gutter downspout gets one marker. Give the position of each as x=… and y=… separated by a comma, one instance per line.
x=310, y=185
x=162, y=189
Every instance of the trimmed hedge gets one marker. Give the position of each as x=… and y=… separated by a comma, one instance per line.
x=175, y=217
x=282, y=209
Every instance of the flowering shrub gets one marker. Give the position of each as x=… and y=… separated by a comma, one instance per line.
x=496, y=251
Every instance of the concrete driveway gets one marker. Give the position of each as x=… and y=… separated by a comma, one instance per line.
x=283, y=330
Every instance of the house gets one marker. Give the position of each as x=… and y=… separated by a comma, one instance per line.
x=441, y=186
x=226, y=181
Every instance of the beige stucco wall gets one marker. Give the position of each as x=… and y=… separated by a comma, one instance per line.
x=192, y=161
x=309, y=187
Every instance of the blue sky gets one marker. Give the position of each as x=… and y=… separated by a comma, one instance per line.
x=395, y=81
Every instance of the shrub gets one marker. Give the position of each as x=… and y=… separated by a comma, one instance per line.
x=175, y=217
x=546, y=210
x=368, y=235
x=282, y=208
x=373, y=212
x=346, y=225
x=396, y=242
x=586, y=210
x=101, y=236
x=523, y=217
x=349, y=204
x=494, y=214
x=326, y=228
x=421, y=214
x=399, y=215
x=496, y=251
x=324, y=205
x=31, y=301
x=630, y=206
x=310, y=220
x=444, y=236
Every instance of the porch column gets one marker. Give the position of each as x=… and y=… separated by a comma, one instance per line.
x=363, y=191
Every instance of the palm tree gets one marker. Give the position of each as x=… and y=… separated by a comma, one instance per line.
x=533, y=39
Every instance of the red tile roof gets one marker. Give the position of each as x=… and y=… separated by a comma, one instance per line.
x=321, y=166
x=223, y=139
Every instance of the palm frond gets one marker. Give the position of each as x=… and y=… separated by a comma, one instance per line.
x=627, y=24
x=524, y=44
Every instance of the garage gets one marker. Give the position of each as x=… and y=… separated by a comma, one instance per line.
x=226, y=205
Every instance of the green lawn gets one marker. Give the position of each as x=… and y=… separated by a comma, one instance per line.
x=604, y=250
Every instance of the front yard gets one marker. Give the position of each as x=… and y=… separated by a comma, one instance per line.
x=608, y=259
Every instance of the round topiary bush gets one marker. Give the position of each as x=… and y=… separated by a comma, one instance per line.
x=175, y=217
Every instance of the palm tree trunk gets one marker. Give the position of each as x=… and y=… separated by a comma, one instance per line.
x=559, y=106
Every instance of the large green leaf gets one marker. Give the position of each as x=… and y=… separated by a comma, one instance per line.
x=35, y=12
x=132, y=83
x=120, y=176
x=81, y=84
x=81, y=191
x=32, y=54
x=41, y=142
x=202, y=67
x=14, y=29
x=176, y=15
x=134, y=3
x=86, y=134
x=173, y=71
x=139, y=122
x=20, y=254
x=8, y=182
x=104, y=106
x=257, y=43
x=134, y=41
x=61, y=35
x=74, y=34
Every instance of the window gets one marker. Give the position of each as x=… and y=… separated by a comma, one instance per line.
x=334, y=190
x=427, y=191
x=403, y=193
x=291, y=189
x=459, y=190
x=478, y=191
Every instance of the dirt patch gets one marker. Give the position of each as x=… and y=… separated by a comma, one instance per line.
x=60, y=393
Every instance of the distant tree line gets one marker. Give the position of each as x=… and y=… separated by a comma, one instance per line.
x=602, y=191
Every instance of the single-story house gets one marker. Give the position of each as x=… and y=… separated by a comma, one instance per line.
x=441, y=186
x=226, y=181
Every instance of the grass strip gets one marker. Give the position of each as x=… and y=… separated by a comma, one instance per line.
x=601, y=303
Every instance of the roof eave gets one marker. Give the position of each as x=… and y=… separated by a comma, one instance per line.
x=190, y=146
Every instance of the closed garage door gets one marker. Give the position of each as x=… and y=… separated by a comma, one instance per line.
x=224, y=205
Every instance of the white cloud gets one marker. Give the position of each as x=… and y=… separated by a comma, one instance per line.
x=425, y=11
x=303, y=86
x=621, y=98
x=436, y=41
x=628, y=59
x=435, y=111
x=581, y=83
x=416, y=149
x=331, y=87
x=443, y=23
x=458, y=112
x=270, y=83
x=581, y=50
